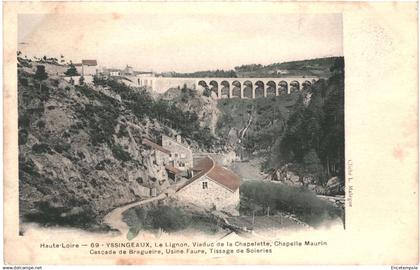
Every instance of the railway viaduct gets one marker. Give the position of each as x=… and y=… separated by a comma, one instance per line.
x=230, y=87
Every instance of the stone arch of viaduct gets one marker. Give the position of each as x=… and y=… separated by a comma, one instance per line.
x=232, y=87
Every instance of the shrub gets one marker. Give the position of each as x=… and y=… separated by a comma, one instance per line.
x=40, y=73
x=40, y=124
x=71, y=71
x=123, y=132
x=62, y=147
x=257, y=197
x=24, y=120
x=23, y=81
x=120, y=154
x=41, y=148
x=44, y=93
x=55, y=82
x=28, y=166
x=23, y=136
x=169, y=219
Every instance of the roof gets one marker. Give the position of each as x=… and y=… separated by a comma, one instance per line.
x=77, y=64
x=172, y=169
x=164, y=137
x=155, y=146
x=89, y=62
x=208, y=167
x=225, y=177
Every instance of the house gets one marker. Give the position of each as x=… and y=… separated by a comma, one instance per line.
x=211, y=187
x=181, y=155
x=171, y=160
x=160, y=155
x=89, y=67
x=128, y=70
x=114, y=72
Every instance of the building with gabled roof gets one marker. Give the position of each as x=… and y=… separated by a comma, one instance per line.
x=87, y=67
x=173, y=155
x=211, y=187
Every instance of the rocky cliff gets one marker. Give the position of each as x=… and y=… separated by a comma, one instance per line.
x=80, y=152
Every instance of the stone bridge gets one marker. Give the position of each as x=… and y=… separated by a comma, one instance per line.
x=231, y=87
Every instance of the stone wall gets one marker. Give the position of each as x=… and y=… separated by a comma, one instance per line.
x=215, y=195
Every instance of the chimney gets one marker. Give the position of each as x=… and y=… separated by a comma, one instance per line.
x=178, y=138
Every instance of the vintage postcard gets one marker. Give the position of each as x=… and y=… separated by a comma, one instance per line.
x=210, y=133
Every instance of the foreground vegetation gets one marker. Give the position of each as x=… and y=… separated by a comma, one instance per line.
x=260, y=198
x=168, y=219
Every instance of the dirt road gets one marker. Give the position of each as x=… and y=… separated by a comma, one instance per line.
x=114, y=219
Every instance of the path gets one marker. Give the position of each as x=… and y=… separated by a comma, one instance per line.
x=114, y=219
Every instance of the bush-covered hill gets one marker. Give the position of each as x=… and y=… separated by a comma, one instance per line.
x=80, y=150
x=302, y=131
x=319, y=67
x=312, y=67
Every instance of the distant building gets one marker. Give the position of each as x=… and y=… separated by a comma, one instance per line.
x=212, y=187
x=89, y=67
x=128, y=71
x=282, y=71
x=114, y=72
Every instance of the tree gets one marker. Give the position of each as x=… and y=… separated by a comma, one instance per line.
x=96, y=80
x=71, y=71
x=207, y=92
x=81, y=80
x=40, y=74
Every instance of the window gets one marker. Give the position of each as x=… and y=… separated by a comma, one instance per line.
x=205, y=185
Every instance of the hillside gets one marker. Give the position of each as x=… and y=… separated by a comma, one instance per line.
x=319, y=67
x=299, y=136
x=80, y=150
x=189, y=100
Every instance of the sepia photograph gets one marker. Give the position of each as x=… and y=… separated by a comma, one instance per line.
x=225, y=132
x=210, y=133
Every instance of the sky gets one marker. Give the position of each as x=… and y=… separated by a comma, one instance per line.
x=182, y=43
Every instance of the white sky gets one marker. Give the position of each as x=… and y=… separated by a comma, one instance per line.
x=180, y=42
